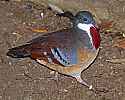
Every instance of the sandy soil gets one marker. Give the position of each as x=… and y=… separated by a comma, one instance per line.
x=24, y=79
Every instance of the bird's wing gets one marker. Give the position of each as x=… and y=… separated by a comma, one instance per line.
x=58, y=47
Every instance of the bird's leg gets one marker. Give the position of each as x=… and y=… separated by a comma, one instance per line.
x=95, y=90
x=80, y=80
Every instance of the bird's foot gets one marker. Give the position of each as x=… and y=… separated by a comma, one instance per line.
x=95, y=90
x=80, y=80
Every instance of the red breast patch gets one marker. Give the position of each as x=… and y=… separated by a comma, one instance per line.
x=95, y=37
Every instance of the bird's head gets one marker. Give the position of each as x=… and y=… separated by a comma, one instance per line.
x=84, y=21
x=84, y=17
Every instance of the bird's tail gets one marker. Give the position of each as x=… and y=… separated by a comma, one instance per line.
x=19, y=52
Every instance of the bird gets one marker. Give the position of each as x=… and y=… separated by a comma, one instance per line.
x=68, y=51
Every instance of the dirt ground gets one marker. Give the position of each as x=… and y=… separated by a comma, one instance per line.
x=24, y=79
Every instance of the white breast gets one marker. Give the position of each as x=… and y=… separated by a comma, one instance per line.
x=86, y=27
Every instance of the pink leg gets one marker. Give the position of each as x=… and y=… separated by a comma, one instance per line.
x=80, y=80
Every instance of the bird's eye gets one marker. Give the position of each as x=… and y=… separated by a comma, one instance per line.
x=85, y=19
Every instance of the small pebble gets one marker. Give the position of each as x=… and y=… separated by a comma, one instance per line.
x=14, y=33
x=90, y=87
x=42, y=14
x=65, y=90
x=52, y=72
x=123, y=34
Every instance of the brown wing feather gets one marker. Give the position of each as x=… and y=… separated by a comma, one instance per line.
x=44, y=44
x=60, y=39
